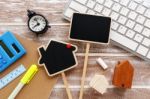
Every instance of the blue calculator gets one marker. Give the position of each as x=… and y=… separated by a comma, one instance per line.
x=10, y=50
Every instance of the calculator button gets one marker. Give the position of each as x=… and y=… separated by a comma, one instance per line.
x=1, y=56
x=1, y=65
x=4, y=61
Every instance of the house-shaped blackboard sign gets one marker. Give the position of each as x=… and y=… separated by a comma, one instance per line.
x=57, y=57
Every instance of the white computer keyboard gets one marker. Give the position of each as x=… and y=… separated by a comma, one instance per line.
x=130, y=21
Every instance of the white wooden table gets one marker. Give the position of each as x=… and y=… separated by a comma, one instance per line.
x=13, y=17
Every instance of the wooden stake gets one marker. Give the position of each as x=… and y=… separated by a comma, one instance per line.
x=66, y=85
x=84, y=70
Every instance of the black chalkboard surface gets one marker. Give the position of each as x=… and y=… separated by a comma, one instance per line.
x=90, y=28
x=57, y=57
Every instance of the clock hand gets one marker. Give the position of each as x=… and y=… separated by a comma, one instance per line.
x=36, y=25
x=36, y=20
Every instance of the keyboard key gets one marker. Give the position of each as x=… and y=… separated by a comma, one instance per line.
x=146, y=4
x=124, y=11
x=124, y=2
x=147, y=23
x=138, y=38
x=78, y=7
x=123, y=40
x=148, y=55
x=114, y=25
x=138, y=28
x=108, y=3
x=98, y=8
x=91, y=3
x=100, y=1
x=69, y=12
x=130, y=24
x=142, y=50
x=147, y=13
x=146, y=42
x=116, y=0
x=116, y=7
x=122, y=20
x=106, y=11
x=140, y=9
x=98, y=14
x=130, y=33
x=91, y=12
x=140, y=19
x=132, y=15
x=122, y=29
x=138, y=1
x=146, y=32
x=132, y=5
x=82, y=1
x=114, y=15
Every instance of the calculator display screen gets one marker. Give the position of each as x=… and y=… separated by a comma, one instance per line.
x=9, y=53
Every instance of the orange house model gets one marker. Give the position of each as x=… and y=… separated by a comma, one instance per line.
x=123, y=75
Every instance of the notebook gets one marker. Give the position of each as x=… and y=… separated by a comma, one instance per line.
x=40, y=87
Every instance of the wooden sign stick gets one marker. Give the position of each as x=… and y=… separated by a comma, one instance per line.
x=66, y=85
x=84, y=70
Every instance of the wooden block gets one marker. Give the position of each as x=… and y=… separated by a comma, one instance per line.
x=93, y=80
x=99, y=83
x=123, y=75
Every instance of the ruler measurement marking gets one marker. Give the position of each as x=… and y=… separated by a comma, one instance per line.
x=11, y=76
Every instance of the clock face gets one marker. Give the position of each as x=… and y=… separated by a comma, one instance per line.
x=37, y=23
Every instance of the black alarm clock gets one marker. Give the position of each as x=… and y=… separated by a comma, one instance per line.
x=37, y=23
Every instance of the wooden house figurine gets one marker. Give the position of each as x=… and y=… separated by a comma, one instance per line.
x=123, y=75
x=99, y=83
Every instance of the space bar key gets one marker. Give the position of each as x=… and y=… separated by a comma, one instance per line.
x=123, y=41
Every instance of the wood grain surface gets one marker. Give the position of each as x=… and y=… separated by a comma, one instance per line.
x=13, y=17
